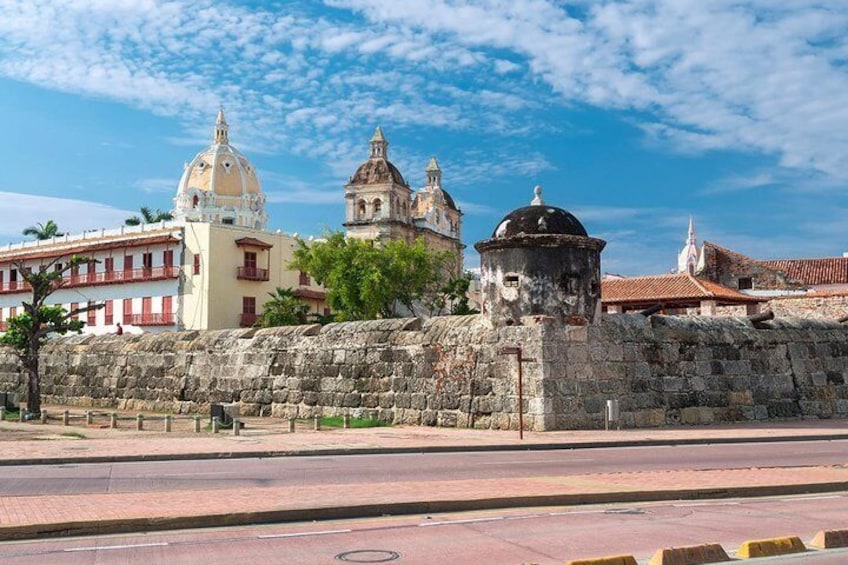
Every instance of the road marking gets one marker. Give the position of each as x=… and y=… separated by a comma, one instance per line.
x=468, y=521
x=810, y=498
x=106, y=547
x=692, y=504
x=304, y=534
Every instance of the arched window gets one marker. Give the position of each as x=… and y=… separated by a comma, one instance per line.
x=378, y=207
x=195, y=201
x=360, y=210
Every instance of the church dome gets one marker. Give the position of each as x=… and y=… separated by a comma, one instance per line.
x=539, y=219
x=221, y=168
x=220, y=185
x=378, y=169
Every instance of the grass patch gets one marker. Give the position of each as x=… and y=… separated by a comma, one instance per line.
x=73, y=435
x=338, y=422
x=12, y=415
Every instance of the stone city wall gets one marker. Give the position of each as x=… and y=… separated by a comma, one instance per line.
x=666, y=370
x=663, y=370
x=446, y=371
x=822, y=307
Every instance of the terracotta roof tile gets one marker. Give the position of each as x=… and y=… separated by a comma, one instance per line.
x=829, y=270
x=678, y=288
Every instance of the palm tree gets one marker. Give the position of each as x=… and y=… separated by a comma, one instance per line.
x=44, y=231
x=148, y=217
x=284, y=309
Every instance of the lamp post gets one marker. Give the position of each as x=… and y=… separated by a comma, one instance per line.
x=516, y=350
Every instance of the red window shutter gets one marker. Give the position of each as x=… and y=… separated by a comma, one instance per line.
x=128, y=262
x=108, y=312
x=13, y=311
x=250, y=259
x=1, y=280
x=168, y=258
x=147, y=260
x=146, y=306
x=197, y=264
x=304, y=279
x=74, y=306
x=109, y=264
x=166, y=305
x=248, y=305
x=127, y=310
x=92, y=315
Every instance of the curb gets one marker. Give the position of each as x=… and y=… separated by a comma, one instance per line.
x=149, y=524
x=335, y=452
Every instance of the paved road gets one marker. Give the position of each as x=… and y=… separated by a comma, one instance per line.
x=541, y=536
x=369, y=469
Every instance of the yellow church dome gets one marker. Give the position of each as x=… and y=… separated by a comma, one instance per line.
x=220, y=185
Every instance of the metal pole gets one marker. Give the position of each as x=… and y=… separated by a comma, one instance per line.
x=197, y=424
x=346, y=421
x=316, y=425
x=291, y=425
x=44, y=416
x=89, y=418
x=520, y=397
x=66, y=418
x=167, y=422
x=113, y=420
x=215, y=423
x=139, y=422
x=236, y=427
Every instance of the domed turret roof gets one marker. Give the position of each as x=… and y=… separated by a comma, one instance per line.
x=220, y=168
x=539, y=219
x=378, y=169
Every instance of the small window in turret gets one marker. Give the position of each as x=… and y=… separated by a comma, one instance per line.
x=570, y=283
x=510, y=280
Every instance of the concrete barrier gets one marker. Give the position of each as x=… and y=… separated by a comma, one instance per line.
x=611, y=560
x=691, y=555
x=827, y=539
x=769, y=547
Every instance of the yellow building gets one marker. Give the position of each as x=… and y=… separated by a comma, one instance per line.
x=211, y=267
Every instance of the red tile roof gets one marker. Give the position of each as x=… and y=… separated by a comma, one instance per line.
x=674, y=290
x=829, y=270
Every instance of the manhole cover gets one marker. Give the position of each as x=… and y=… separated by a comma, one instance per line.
x=368, y=556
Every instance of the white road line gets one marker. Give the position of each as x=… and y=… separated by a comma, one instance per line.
x=810, y=498
x=303, y=534
x=468, y=521
x=106, y=547
x=691, y=504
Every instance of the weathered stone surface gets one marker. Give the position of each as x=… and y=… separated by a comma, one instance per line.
x=451, y=371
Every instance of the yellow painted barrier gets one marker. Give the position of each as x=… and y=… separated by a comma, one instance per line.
x=611, y=560
x=827, y=539
x=768, y=547
x=692, y=555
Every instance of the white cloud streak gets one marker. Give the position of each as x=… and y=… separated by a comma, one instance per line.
x=72, y=216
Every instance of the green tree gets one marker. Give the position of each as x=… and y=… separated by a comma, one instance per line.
x=44, y=231
x=148, y=217
x=367, y=280
x=284, y=309
x=26, y=332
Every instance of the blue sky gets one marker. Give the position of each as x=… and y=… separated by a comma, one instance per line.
x=634, y=115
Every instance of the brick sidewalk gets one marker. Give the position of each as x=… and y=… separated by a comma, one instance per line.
x=27, y=516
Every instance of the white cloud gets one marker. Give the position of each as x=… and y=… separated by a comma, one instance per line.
x=72, y=216
x=154, y=185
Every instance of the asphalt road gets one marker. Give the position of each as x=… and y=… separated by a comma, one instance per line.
x=366, y=469
x=539, y=536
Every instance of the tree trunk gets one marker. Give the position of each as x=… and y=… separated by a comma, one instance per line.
x=33, y=382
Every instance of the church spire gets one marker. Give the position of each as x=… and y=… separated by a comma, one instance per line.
x=221, y=128
x=687, y=261
x=434, y=174
x=379, y=145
